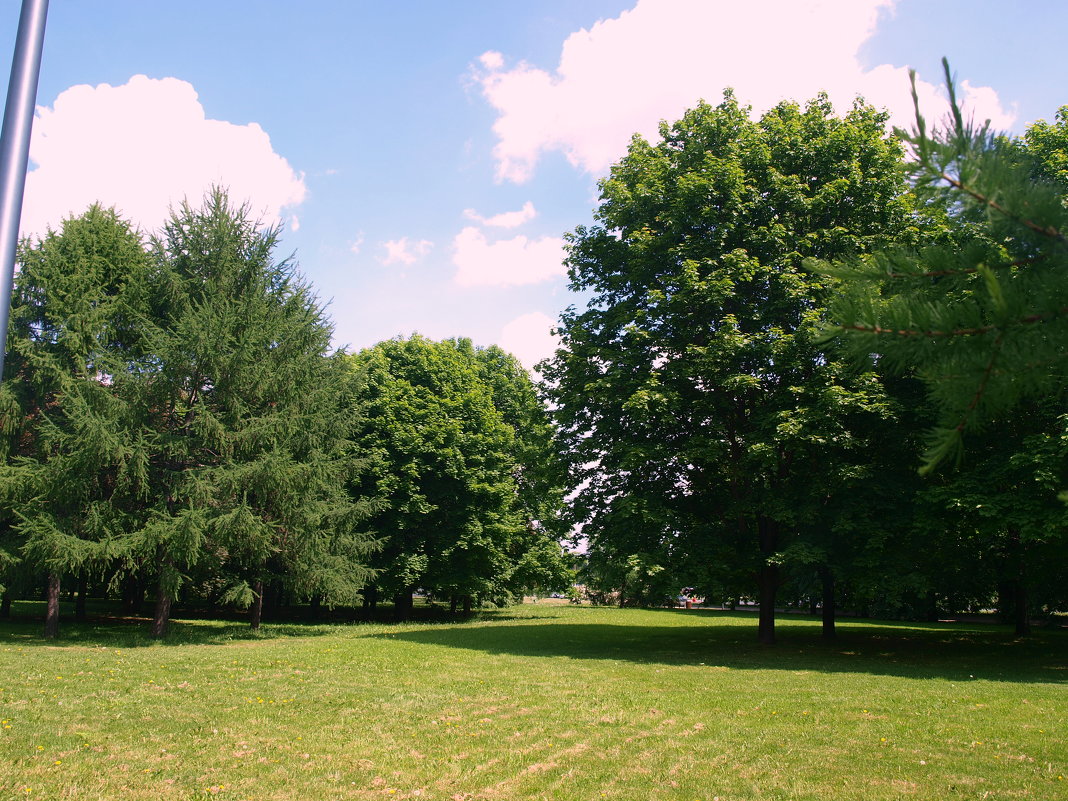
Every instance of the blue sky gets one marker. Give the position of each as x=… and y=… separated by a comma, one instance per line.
x=425, y=158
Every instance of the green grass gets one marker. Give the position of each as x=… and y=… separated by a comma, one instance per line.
x=541, y=701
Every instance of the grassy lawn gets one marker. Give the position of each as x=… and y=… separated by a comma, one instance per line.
x=539, y=701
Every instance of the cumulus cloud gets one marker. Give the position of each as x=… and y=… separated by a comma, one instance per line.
x=142, y=147
x=529, y=338
x=625, y=74
x=403, y=251
x=505, y=262
x=507, y=219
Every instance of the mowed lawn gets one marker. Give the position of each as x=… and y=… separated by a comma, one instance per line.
x=538, y=701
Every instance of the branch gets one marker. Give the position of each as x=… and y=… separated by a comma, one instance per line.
x=1030, y=319
x=908, y=332
x=1050, y=231
x=994, y=351
x=966, y=270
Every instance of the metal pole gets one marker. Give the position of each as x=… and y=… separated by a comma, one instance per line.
x=15, y=146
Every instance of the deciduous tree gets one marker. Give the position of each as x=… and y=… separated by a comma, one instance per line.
x=692, y=392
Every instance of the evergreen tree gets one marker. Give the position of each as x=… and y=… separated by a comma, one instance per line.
x=242, y=428
x=74, y=331
x=980, y=312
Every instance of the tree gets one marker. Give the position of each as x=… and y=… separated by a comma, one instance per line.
x=980, y=312
x=458, y=439
x=692, y=393
x=241, y=424
x=75, y=308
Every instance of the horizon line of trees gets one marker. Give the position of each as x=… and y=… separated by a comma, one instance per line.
x=781, y=314
x=175, y=422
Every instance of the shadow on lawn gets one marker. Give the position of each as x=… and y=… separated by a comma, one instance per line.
x=132, y=632
x=105, y=626
x=946, y=651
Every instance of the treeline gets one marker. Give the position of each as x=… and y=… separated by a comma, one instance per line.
x=176, y=424
x=783, y=314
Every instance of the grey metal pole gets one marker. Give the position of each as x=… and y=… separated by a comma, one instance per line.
x=15, y=146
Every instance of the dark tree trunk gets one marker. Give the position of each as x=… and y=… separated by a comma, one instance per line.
x=51, y=628
x=768, y=579
x=1012, y=591
x=161, y=616
x=827, y=579
x=452, y=605
x=5, y=605
x=402, y=604
x=467, y=604
x=256, y=613
x=1022, y=616
x=133, y=594
x=79, y=600
x=370, y=598
x=315, y=604
x=932, y=607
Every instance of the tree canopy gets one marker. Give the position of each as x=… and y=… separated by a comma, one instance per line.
x=701, y=414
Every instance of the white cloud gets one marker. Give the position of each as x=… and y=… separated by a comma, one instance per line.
x=529, y=338
x=507, y=219
x=142, y=147
x=492, y=60
x=625, y=74
x=402, y=251
x=294, y=223
x=357, y=245
x=506, y=262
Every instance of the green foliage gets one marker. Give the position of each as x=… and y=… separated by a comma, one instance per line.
x=176, y=413
x=980, y=311
x=74, y=329
x=703, y=419
x=464, y=459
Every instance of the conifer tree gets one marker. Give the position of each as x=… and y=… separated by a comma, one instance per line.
x=243, y=428
x=981, y=311
x=74, y=331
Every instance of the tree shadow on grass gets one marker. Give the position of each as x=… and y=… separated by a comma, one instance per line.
x=106, y=627
x=946, y=651
x=133, y=632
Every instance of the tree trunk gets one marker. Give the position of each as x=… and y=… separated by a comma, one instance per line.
x=1012, y=590
x=827, y=579
x=452, y=605
x=768, y=579
x=402, y=604
x=5, y=605
x=79, y=600
x=467, y=604
x=1022, y=615
x=161, y=617
x=932, y=607
x=133, y=594
x=51, y=629
x=257, y=605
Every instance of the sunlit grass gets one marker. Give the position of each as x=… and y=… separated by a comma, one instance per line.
x=534, y=702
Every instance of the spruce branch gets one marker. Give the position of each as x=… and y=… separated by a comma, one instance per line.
x=1049, y=231
x=970, y=270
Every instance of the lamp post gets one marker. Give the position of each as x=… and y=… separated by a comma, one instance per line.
x=15, y=146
